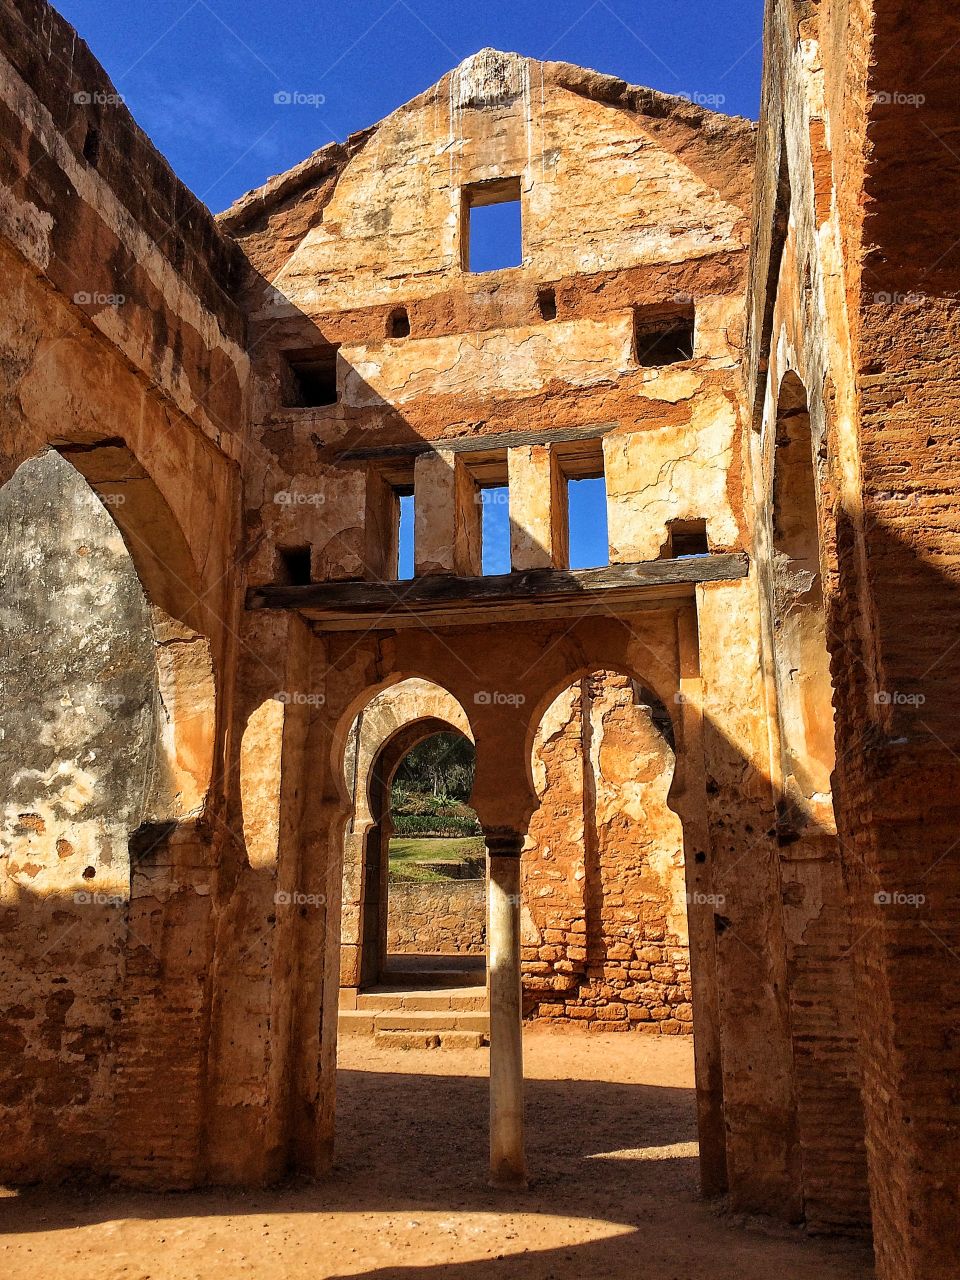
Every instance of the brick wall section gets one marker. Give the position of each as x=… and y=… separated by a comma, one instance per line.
x=447, y=919
x=878, y=356
x=902, y=815
x=603, y=886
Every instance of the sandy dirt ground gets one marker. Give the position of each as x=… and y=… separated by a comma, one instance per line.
x=611, y=1140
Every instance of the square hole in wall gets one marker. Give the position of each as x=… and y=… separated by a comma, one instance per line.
x=547, y=303
x=293, y=566
x=662, y=339
x=492, y=225
x=398, y=325
x=312, y=377
x=687, y=538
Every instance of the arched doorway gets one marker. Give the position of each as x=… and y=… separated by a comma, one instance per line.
x=432, y=851
x=414, y=861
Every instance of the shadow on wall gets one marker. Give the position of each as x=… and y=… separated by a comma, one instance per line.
x=105, y=749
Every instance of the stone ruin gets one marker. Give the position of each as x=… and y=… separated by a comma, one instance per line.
x=717, y=777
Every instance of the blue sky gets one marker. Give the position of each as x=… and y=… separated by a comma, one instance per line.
x=587, y=510
x=201, y=75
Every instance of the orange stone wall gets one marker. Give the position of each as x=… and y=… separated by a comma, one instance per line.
x=604, y=910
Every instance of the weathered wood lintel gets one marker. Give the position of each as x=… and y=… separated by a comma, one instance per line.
x=535, y=593
x=475, y=444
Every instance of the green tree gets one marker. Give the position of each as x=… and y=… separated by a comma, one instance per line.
x=441, y=766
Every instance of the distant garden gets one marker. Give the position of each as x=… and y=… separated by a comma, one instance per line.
x=436, y=833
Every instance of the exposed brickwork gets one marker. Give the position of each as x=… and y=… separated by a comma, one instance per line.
x=603, y=885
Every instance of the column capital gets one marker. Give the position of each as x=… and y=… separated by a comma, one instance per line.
x=503, y=842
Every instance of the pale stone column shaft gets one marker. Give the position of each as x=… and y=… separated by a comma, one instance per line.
x=538, y=515
x=507, y=1162
x=446, y=516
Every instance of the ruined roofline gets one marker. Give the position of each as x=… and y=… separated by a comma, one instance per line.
x=594, y=85
x=58, y=66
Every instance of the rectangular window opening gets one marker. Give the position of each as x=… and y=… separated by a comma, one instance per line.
x=312, y=378
x=405, y=561
x=494, y=529
x=662, y=340
x=492, y=225
x=587, y=522
x=687, y=538
x=293, y=566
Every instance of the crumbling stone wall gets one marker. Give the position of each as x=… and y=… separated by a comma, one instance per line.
x=492, y=378
x=852, y=298
x=220, y=1065
x=604, y=893
x=122, y=350
x=356, y=231
x=447, y=919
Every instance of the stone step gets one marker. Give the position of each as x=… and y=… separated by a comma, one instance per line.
x=439, y=978
x=463, y=999
x=431, y=1039
x=354, y=1022
x=431, y=1020
x=365, y=1022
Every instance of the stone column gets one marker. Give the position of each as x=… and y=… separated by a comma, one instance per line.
x=507, y=1163
x=446, y=516
x=538, y=513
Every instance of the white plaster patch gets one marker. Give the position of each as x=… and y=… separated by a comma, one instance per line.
x=26, y=227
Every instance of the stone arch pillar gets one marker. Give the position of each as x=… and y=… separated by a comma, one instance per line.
x=503, y=799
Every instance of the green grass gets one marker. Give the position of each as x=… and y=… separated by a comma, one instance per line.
x=407, y=851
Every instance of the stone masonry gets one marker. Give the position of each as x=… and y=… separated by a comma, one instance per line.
x=717, y=777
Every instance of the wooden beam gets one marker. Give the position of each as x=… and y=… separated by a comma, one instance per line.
x=444, y=599
x=473, y=444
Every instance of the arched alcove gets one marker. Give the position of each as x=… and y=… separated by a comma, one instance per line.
x=801, y=656
x=603, y=888
x=107, y=745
